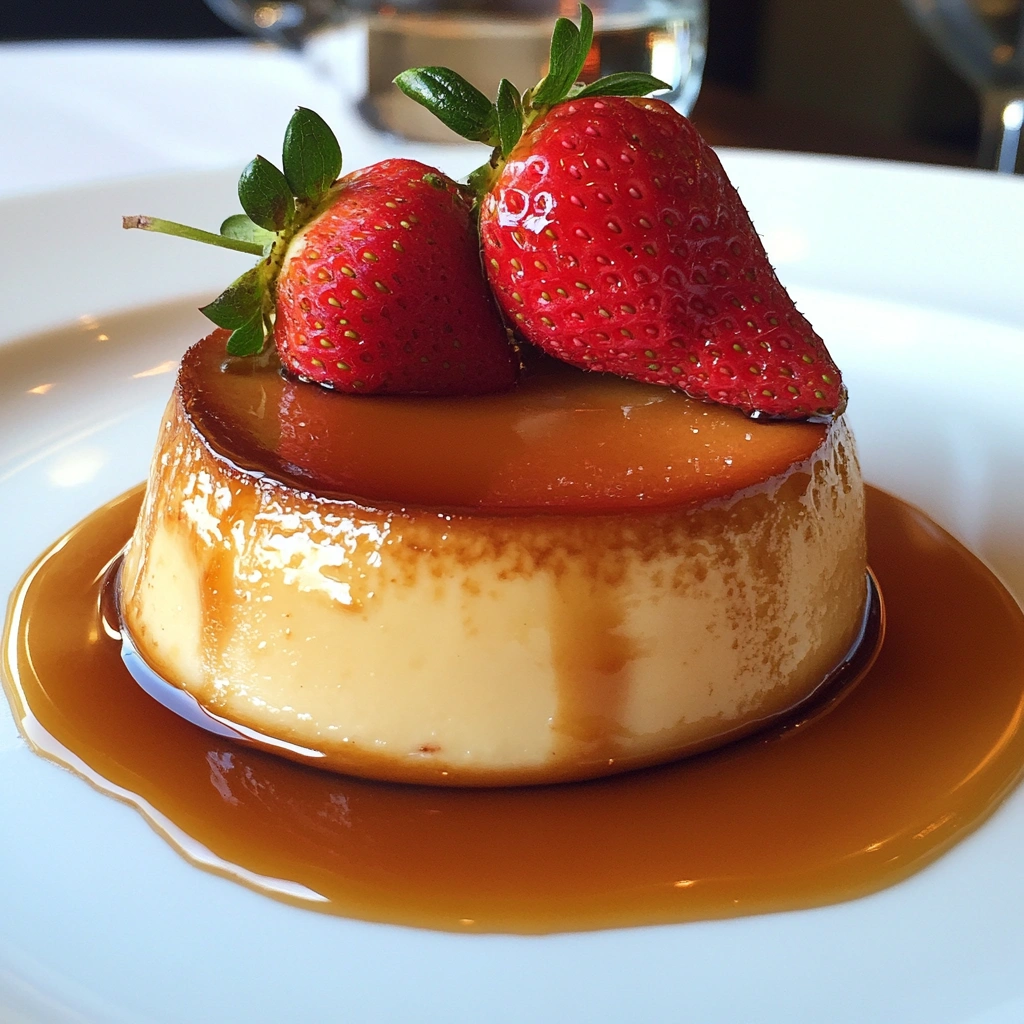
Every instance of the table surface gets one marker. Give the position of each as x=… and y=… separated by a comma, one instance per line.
x=728, y=117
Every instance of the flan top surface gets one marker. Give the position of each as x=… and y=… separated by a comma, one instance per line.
x=562, y=440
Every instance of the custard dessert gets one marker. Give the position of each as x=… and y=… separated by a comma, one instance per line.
x=574, y=578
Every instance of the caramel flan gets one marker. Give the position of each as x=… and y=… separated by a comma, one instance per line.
x=578, y=577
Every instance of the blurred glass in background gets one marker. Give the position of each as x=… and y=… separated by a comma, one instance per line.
x=364, y=44
x=984, y=41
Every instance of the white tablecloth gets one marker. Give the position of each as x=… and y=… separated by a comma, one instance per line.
x=73, y=113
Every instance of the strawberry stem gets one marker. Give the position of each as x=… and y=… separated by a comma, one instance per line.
x=170, y=227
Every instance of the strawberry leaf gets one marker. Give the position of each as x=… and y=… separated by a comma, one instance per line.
x=311, y=155
x=510, y=116
x=562, y=65
x=586, y=41
x=454, y=101
x=239, y=226
x=238, y=303
x=570, y=47
x=265, y=195
x=625, y=83
x=248, y=340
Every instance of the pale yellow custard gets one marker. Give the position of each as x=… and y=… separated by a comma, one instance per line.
x=581, y=576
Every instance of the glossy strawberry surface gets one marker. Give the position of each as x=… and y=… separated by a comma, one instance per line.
x=383, y=291
x=614, y=241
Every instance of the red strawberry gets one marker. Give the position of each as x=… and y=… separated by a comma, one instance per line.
x=614, y=240
x=369, y=284
x=382, y=292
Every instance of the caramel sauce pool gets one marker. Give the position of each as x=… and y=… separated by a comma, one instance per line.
x=916, y=755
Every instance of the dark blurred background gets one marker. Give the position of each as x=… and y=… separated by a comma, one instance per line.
x=828, y=75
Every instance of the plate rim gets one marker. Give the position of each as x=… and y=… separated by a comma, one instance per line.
x=660, y=945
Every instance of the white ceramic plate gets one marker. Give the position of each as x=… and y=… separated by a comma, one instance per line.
x=914, y=277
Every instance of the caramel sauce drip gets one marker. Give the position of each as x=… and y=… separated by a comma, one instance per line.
x=561, y=439
x=916, y=756
x=592, y=660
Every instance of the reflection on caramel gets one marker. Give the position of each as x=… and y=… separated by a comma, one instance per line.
x=561, y=439
x=914, y=758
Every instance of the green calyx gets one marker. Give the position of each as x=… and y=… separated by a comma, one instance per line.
x=277, y=205
x=468, y=112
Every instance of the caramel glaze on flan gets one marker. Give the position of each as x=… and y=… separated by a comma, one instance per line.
x=578, y=577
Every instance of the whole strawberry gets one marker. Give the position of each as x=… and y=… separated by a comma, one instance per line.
x=368, y=284
x=614, y=241
x=383, y=292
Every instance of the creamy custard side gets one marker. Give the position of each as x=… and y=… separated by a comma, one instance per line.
x=429, y=646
